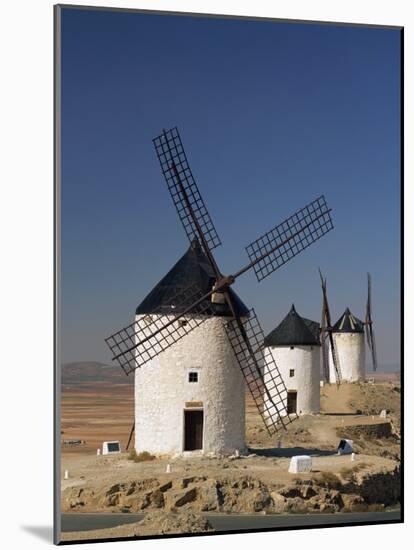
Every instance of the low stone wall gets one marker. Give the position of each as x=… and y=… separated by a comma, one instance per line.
x=370, y=431
x=383, y=487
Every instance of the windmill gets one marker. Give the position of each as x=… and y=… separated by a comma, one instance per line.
x=369, y=330
x=327, y=339
x=343, y=347
x=140, y=342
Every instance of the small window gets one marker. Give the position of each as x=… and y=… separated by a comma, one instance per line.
x=182, y=322
x=193, y=376
x=292, y=373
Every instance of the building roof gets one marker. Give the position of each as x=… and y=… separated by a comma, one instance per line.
x=348, y=323
x=314, y=327
x=294, y=330
x=192, y=268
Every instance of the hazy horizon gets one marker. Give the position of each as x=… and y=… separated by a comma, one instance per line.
x=271, y=116
x=381, y=368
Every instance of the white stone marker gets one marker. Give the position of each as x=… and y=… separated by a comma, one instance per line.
x=98, y=452
x=168, y=469
x=383, y=413
x=300, y=464
x=66, y=476
x=353, y=457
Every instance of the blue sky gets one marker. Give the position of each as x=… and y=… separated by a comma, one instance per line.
x=271, y=116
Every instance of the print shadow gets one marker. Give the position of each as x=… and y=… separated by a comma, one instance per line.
x=43, y=532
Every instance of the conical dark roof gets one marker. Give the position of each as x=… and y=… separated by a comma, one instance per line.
x=348, y=323
x=192, y=268
x=313, y=326
x=294, y=330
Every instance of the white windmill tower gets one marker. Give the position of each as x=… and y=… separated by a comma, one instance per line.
x=190, y=397
x=295, y=346
x=193, y=341
x=348, y=335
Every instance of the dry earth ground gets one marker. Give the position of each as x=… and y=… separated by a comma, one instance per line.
x=259, y=482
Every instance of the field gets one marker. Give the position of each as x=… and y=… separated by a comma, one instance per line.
x=101, y=411
x=96, y=412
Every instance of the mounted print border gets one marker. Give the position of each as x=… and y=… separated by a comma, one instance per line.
x=195, y=156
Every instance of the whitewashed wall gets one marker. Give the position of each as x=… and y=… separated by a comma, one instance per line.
x=305, y=361
x=351, y=352
x=162, y=388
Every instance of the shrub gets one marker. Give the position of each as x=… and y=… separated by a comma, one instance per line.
x=144, y=456
x=329, y=479
x=348, y=473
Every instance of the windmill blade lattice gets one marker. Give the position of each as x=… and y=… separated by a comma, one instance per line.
x=324, y=344
x=327, y=333
x=144, y=339
x=289, y=238
x=266, y=385
x=373, y=349
x=369, y=330
x=325, y=357
x=173, y=161
x=368, y=335
x=335, y=358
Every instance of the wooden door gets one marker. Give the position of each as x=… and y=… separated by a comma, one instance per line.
x=292, y=401
x=193, y=430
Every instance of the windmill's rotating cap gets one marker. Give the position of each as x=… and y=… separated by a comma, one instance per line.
x=294, y=330
x=348, y=323
x=192, y=269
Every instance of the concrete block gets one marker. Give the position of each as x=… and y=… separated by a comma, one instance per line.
x=300, y=464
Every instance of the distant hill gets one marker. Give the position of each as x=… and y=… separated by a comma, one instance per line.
x=93, y=371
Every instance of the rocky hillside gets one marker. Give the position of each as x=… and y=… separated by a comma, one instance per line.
x=354, y=488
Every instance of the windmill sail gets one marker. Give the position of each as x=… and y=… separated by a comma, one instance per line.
x=324, y=344
x=369, y=330
x=178, y=175
x=326, y=335
x=335, y=358
x=289, y=238
x=144, y=339
x=267, y=389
